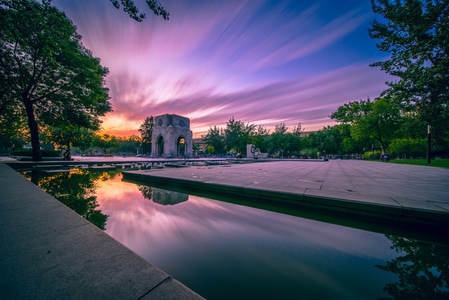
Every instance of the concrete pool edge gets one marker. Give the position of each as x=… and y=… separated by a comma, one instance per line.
x=382, y=206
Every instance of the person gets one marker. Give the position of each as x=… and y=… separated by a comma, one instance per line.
x=67, y=155
x=384, y=157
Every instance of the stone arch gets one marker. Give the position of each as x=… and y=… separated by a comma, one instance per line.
x=181, y=146
x=159, y=149
x=172, y=136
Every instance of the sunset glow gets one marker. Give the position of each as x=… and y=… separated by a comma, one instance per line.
x=263, y=62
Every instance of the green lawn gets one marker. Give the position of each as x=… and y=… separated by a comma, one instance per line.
x=444, y=163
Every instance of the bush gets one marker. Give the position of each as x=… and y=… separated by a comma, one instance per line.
x=28, y=152
x=368, y=155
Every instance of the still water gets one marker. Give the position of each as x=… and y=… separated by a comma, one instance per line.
x=227, y=251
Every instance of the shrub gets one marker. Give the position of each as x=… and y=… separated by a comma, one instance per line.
x=28, y=152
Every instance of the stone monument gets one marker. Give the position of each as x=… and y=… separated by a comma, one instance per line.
x=171, y=137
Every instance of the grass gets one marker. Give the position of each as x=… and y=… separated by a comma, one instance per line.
x=443, y=163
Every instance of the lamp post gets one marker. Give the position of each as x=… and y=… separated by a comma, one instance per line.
x=429, y=139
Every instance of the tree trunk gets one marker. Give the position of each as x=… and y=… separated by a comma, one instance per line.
x=34, y=130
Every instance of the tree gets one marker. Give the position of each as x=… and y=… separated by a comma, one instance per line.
x=105, y=142
x=146, y=133
x=377, y=119
x=69, y=135
x=214, y=140
x=416, y=34
x=47, y=70
x=133, y=11
x=237, y=134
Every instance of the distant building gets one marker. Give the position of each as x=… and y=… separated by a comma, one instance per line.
x=171, y=137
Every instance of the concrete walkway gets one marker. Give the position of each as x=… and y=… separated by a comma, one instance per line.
x=47, y=251
x=406, y=193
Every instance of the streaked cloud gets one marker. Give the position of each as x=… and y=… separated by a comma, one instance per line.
x=263, y=62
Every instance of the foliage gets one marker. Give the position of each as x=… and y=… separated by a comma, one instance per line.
x=416, y=35
x=127, y=145
x=442, y=163
x=46, y=71
x=146, y=133
x=28, y=152
x=214, y=140
x=67, y=136
x=105, y=142
x=377, y=119
x=237, y=134
x=408, y=147
x=132, y=10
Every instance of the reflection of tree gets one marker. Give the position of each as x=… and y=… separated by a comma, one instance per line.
x=76, y=189
x=423, y=272
x=146, y=191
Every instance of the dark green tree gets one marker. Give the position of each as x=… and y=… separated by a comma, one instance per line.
x=379, y=119
x=67, y=136
x=47, y=70
x=105, y=142
x=237, y=135
x=416, y=35
x=146, y=134
x=215, y=139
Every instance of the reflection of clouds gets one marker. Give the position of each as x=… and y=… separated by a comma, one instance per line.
x=231, y=58
x=140, y=224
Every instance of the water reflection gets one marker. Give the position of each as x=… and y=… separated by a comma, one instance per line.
x=226, y=251
x=422, y=270
x=76, y=188
x=161, y=196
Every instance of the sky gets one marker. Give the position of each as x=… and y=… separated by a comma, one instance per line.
x=261, y=62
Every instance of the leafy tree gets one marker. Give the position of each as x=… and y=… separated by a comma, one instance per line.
x=214, y=140
x=416, y=34
x=105, y=142
x=280, y=128
x=261, y=138
x=133, y=11
x=128, y=144
x=146, y=133
x=47, y=70
x=237, y=135
x=69, y=135
x=285, y=142
x=377, y=119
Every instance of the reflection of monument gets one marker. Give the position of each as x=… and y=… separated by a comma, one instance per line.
x=172, y=136
x=165, y=197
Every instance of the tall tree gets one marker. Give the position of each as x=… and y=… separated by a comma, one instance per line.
x=416, y=35
x=46, y=68
x=146, y=134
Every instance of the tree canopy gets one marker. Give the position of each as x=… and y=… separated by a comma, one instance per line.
x=377, y=119
x=416, y=35
x=46, y=72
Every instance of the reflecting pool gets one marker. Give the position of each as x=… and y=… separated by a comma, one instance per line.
x=228, y=251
